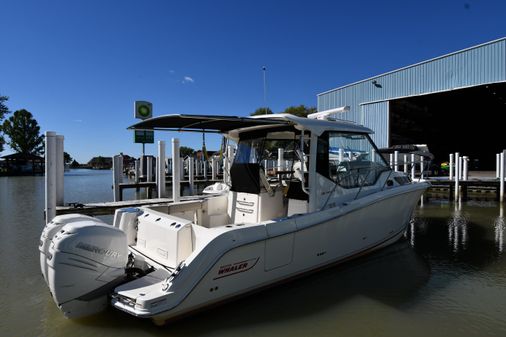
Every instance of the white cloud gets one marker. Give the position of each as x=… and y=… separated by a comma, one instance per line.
x=171, y=71
x=78, y=120
x=187, y=79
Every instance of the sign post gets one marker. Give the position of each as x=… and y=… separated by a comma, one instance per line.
x=143, y=110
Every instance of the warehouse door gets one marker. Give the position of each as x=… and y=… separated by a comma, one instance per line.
x=468, y=121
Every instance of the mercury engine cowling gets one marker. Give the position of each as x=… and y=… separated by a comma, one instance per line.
x=85, y=260
x=50, y=230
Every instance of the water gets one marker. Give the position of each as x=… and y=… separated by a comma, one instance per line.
x=448, y=278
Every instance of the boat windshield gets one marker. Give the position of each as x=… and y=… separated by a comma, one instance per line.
x=351, y=160
x=264, y=151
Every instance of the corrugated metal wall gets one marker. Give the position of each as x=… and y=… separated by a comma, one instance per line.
x=375, y=116
x=474, y=66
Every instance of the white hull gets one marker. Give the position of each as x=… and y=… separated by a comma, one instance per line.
x=317, y=240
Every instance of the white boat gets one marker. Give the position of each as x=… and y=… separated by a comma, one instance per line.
x=163, y=262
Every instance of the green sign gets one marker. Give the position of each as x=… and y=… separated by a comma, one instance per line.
x=143, y=136
x=143, y=110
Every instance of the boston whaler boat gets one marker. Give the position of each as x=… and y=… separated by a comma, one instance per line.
x=337, y=200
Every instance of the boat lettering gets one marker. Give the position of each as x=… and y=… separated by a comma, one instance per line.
x=97, y=250
x=235, y=268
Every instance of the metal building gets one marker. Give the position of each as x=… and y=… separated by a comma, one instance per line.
x=455, y=102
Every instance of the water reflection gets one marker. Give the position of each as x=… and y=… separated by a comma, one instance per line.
x=499, y=229
x=457, y=229
x=412, y=232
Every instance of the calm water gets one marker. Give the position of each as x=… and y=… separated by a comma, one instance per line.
x=448, y=278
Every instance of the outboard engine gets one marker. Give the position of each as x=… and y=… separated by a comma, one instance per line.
x=50, y=230
x=85, y=260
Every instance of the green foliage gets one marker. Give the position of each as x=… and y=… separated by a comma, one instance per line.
x=3, y=111
x=262, y=111
x=301, y=110
x=24, y=133
x=67, y=159
x=185, y=151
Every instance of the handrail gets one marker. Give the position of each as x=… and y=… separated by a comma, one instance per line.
x=303, y=162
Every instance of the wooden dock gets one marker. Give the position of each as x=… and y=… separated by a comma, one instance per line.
x=478, y=186
x=151, y=186
x=108, y=208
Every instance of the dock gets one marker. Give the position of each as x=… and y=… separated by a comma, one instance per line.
x=107, y=208
x=152, y=186
x=468, y=189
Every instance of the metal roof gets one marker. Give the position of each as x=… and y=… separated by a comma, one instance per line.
x=499, y=42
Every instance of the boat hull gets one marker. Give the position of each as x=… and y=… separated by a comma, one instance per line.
x=317, y=240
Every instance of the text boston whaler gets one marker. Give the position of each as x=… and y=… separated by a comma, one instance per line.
x=338, y=199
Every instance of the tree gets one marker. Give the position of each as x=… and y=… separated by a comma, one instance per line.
x=301, y=110
x=262, y=111
x=67, y=159
x=185, y=151
x=24, y=133
x=3, y=111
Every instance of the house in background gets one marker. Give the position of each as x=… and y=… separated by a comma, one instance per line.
x=21, y=164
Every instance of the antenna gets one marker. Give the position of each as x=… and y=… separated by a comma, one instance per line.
x=264, y=69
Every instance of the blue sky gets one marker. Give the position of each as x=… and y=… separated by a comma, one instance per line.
x=78, y=66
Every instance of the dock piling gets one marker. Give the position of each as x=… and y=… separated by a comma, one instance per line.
x=137, y=171
x=181, y=165
x=149, y=169
x=281, y=159
x=191, y=174
x=413, y=167
x=396, y=161
x=117, y=169
x=457, y=175
x=160, y=172
x=60, y=170
x=465, y=171
x=214, y=169
x=196, y=162
x=501, y=177
x=461, y=161
x=50, y=178
x=450, y=174
x=497, y=165
x=226, y=165
x=176, y=170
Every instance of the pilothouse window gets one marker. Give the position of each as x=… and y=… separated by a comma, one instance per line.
x=257, y=163
x=350, y=160
x=264, y=151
